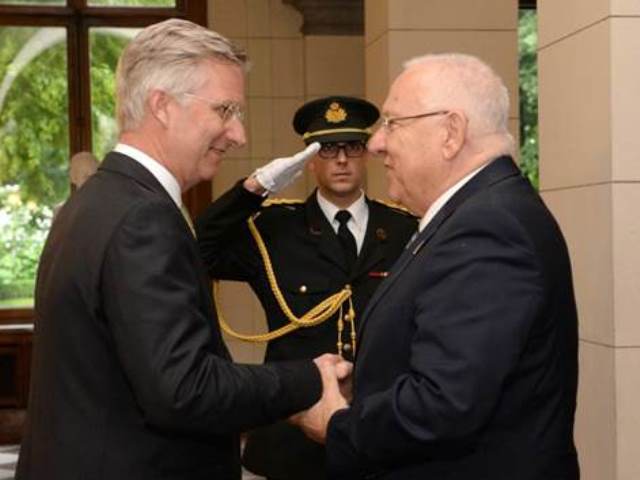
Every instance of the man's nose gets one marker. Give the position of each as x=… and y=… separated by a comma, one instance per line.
x=376, y=144
x=236, y=133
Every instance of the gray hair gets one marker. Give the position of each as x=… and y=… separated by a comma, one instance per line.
x=467, y=83
x=167, y=56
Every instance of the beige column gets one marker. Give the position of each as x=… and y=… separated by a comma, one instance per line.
x=397, y=30
x=589, y=61
x=334, y=65
x=270, y=32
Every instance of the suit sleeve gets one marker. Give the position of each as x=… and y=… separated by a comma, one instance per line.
x=226, y=245
x=478, y=290
x=170, y=351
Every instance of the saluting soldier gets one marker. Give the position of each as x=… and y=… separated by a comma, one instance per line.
x=313, y=264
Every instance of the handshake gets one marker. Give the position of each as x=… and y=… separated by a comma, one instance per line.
x=279, y=173
x=336, y=393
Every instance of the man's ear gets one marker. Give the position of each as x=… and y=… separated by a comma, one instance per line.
x=158, y=104
x=456, y=125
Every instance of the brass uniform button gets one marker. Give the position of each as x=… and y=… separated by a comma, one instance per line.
x=347, y=347
x=303, y=289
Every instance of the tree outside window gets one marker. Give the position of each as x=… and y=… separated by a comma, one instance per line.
x=528, y=44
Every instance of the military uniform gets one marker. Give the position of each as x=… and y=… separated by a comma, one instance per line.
x=307, y=260
x=309, y=266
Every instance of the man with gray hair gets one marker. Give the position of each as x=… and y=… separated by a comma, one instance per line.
x=131, y=378
x=467, y=362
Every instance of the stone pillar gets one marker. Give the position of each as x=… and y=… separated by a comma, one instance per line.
x=589, y=175
x=397, y=30
x=333, y=51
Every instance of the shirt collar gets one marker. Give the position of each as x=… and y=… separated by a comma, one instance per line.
x=357, y=209
x=159, y=171
x=445, y=197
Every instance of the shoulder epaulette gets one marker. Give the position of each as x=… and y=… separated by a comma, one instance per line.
x=282, y=201
x=393, y=205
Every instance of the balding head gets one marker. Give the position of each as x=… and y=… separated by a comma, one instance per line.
x=463, y=82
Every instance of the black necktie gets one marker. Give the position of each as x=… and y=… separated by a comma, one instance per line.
x=346, y=239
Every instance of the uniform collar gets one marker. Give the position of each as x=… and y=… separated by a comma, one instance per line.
x=358, y=210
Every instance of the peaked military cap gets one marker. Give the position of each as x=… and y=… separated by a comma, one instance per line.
x=335, y=119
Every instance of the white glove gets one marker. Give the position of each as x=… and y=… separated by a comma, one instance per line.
x=278, y=173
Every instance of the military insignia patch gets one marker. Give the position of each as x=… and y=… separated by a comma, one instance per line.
x=335, y=113
x=381, y=234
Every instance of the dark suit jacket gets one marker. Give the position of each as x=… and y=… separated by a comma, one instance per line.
x=131, y=379
x=308, y=262
x=467, y=366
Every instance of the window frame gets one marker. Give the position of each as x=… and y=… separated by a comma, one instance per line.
x=528, y=4
x=78, y=19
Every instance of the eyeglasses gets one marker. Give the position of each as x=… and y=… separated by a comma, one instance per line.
x=352, y=149
x=390, y=123
x=225, y=110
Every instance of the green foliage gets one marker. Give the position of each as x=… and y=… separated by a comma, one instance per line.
x=528, y=42
x=133, y=3
x=34, y=122
x=23, y=228
x=105, y=51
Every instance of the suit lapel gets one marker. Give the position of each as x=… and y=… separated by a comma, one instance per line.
x=321, y=231
x=497, y=170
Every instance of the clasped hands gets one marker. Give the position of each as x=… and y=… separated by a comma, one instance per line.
x=336, y=394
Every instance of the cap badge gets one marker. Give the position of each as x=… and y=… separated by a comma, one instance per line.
x=335, y=113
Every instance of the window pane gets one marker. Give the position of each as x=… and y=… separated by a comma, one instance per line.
x=105, y=45
x=528, y=46
x=132, y=3
x=33, y=2
x=34, y=151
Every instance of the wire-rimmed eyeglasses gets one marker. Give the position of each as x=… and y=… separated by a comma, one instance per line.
x=351, y=149
x=389, y=123
x=225, y=110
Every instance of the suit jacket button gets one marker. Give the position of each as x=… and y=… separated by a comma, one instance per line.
x=303, y=289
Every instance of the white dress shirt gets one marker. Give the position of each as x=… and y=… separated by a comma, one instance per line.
x=160, y=172
x=357, y=224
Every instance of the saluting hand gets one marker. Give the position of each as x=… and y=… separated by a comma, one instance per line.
x=279, y=173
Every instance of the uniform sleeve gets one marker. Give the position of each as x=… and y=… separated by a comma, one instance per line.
x=226, y=245
x=168, y=347
x=478, y=295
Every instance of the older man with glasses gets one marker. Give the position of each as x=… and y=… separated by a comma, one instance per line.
x=313, y=264
x=467, y=360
